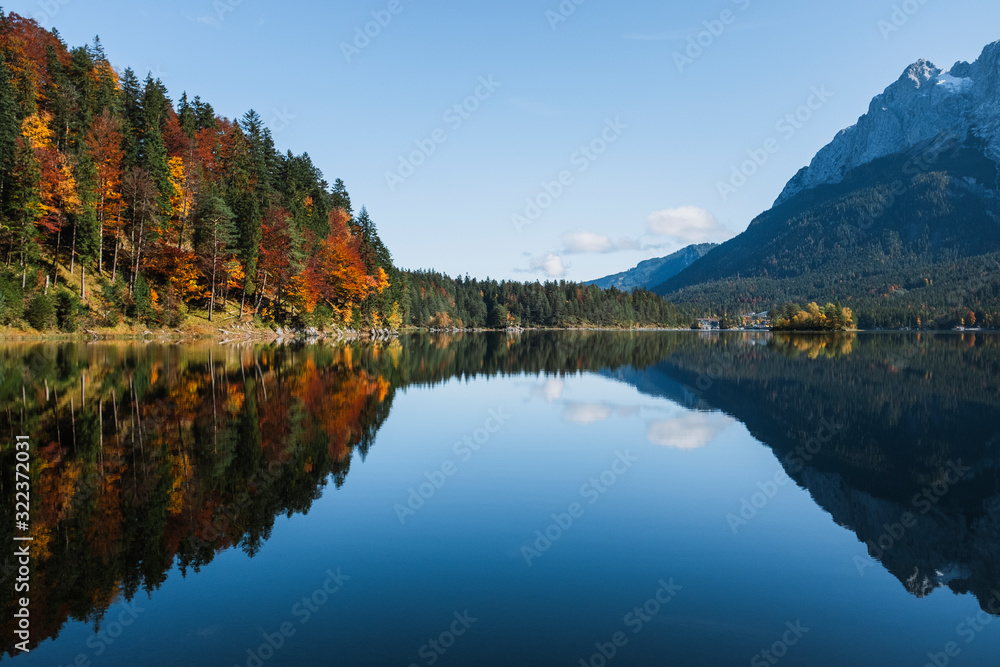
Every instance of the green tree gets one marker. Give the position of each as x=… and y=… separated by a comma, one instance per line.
x=41, y=312
x=214, y=233
x=142, y=299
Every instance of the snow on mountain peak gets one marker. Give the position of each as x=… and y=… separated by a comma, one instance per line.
x=924, y=102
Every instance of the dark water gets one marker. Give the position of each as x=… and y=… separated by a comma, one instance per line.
x=550, y=499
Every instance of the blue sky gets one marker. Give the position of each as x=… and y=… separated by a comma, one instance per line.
x=593, y=123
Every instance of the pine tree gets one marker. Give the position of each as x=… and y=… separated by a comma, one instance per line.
x=153, y=152
x=214, y=233
x=10, y=131
x=186, y=117
x=340, y=197
x=131, y=95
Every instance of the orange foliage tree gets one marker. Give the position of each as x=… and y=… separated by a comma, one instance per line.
x=335, y=273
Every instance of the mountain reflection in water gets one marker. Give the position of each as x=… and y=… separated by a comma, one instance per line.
x=155, y=456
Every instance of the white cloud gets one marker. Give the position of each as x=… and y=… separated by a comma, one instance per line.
x=550, y=264
x=688, y=224
x=585, y=241
x=588, y=413
x=591, y=413
x=552, y=389
x=691, y=431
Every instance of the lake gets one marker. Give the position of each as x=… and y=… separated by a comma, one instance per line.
x=576, y=498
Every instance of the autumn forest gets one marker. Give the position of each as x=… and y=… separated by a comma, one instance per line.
x=120, y=209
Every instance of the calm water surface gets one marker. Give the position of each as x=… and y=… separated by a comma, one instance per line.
x=548, y=499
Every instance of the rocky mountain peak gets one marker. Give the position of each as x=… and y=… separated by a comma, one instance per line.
x=923, y=103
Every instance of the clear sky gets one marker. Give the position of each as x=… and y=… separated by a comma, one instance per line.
x=662, y=128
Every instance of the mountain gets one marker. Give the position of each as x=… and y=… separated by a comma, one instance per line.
x=898, y=217
x=654, y=272
x=868, y=453
x=924, y=103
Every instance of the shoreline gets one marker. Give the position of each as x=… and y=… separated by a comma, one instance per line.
x=268, y=334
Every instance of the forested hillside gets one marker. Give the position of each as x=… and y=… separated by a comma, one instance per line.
x=122, y=208
x=436, y=300
x=910, y=240
x=116, y=202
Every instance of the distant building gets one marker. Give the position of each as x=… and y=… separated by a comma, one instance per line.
x=708, y=324
x=757, y=321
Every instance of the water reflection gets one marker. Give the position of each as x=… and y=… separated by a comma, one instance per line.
x=154, y=456
x=895, y=436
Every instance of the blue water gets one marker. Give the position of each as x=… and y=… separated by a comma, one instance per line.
x=645, y=490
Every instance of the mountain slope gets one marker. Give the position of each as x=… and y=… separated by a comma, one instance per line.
x=899, y=217
x=654, y=272
x=924, y=103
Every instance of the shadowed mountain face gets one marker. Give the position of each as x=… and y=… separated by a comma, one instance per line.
x=913, y=235
x=897, y=437
x=150, y=457
x=898, y=217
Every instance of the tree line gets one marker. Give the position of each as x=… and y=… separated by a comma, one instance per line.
x=120, y=206
x=150, y=210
